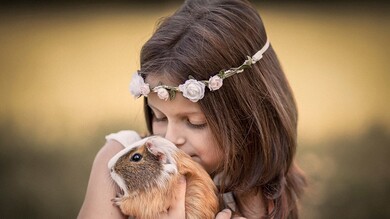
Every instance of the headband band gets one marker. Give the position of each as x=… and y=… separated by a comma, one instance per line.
x=192, y=89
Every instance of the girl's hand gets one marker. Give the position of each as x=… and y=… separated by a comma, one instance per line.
x=177, y=209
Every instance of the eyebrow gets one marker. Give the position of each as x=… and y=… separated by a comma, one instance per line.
x=178, y=114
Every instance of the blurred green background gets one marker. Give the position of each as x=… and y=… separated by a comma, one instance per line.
x=65, y=71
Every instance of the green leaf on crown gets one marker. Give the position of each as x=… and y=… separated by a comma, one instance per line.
x=172, y=94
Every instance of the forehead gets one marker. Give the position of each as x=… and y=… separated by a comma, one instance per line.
x=178, y=106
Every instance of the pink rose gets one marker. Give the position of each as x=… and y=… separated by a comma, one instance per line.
x=215, y=82
x=162, y=93
x=138, y=86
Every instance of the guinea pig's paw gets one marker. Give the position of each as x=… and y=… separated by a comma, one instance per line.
x=119, y=194
x=117, y=201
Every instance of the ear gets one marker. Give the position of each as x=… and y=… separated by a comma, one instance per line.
x=156, y=151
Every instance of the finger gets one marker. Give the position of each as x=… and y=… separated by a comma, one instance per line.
x=224, y=214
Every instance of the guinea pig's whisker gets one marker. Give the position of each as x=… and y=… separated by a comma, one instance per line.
x=119, y=191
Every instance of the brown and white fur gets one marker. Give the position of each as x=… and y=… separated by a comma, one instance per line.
x=148, y=172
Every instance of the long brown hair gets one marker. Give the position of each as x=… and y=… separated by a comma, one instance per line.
x=253, y=116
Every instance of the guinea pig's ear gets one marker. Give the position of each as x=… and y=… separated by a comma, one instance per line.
x=156, y=151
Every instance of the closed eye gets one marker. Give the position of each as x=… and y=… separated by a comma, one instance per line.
x=196, y=126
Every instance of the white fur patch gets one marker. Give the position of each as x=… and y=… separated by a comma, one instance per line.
x=120, y=182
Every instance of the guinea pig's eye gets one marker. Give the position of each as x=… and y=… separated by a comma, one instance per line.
x=136, y=157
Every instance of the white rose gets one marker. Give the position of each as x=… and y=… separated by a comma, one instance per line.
x=138, y=86
x=215, y=82
x=162, y=93
x=192, y=90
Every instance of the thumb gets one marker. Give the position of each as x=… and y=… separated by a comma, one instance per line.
x=224, y=214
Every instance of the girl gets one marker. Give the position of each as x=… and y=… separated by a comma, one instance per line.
x=212, y=84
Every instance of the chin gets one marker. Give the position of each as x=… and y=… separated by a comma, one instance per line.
x=199, y=161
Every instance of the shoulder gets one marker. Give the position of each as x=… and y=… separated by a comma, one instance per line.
x=109, y=149
x=125, y=137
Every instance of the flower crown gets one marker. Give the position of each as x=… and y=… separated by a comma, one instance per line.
x=192, y=89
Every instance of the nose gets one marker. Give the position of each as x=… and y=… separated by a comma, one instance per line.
x=175, y=135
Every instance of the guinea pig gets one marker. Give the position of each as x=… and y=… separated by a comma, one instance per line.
x=148, y=172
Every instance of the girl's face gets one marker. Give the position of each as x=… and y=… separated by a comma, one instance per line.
x=182, y=122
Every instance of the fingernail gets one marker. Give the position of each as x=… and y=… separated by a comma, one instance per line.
x=226, y=210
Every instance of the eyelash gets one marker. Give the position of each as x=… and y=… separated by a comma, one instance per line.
x=194, y=126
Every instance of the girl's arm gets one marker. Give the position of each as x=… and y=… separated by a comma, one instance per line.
x=97, y=203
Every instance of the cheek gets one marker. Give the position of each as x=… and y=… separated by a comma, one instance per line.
x=213, y=164
x=158, y=129
x=210, y=154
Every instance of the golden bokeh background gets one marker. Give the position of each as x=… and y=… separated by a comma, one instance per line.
x=64, y=85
